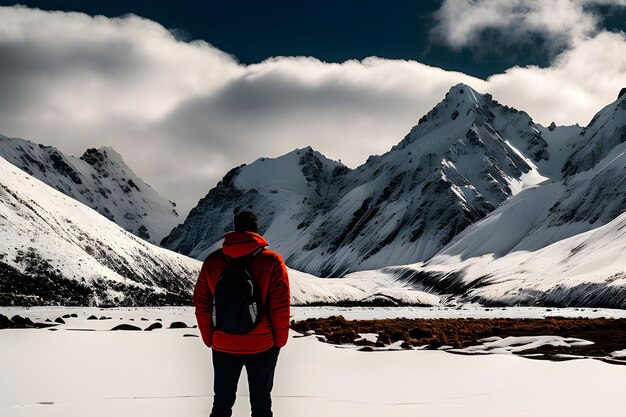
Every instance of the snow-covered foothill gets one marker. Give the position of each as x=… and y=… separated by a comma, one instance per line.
x=54, y=249
x=359, y=288
x=587, y=269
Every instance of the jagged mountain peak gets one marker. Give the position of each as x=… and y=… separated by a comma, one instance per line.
x=104, y=154
x=294, y=171
x=463, y=111
x=281, y=189
x=100, y=179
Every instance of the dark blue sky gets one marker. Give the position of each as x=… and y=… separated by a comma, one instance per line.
x=333, y=31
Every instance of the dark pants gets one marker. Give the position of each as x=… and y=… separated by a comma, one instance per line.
x=260, y=369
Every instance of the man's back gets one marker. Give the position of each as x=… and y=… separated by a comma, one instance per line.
x=268, y=268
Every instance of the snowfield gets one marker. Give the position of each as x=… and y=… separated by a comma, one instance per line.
x=72, y=373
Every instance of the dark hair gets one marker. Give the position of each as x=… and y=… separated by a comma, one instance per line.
x=246, y=221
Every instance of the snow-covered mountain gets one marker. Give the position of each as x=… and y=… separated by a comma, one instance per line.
x=562, y=242
x=480, y=202
x=54, y=249
x=461, y=161
x=100, y=179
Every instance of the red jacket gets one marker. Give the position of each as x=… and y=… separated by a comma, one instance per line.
x=270, y=272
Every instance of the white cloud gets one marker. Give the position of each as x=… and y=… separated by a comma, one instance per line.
x=182, y=114
x=578, y=84
x=461, y=23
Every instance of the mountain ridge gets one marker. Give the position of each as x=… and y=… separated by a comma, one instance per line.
x=100, y=179
x=463, y=159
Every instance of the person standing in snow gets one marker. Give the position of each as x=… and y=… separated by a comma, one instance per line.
x=253, y=336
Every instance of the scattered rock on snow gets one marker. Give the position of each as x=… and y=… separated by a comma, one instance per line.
x=178, y=325
x=22, y=322
x=92, y=317
x=19, y=322
x=125, y=327
x=59, y=320
x=153, y=326
x=5, y=322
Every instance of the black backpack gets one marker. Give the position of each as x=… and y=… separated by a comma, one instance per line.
x=237, y=304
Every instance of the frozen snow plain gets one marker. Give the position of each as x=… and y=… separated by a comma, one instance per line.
x=162, y=373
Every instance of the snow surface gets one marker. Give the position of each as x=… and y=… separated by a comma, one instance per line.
x=161, y=373
x=305, y=312
x=619, y=353
x=517, y=344
x=443, y=312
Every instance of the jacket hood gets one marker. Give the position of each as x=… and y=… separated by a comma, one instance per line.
x=238, y=244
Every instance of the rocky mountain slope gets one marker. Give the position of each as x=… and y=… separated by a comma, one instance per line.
x=563, y=242
x=54, y=249
x=461, y=161
x=100, y=179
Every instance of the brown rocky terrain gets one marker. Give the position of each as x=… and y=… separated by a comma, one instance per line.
x=608, y=334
